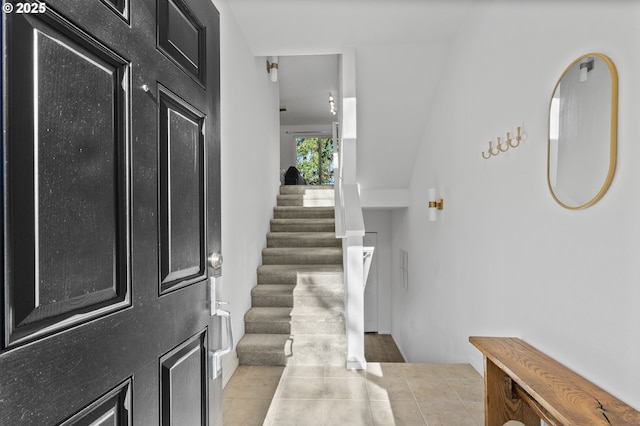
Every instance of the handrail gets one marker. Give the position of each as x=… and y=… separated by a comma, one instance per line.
x=350, y=211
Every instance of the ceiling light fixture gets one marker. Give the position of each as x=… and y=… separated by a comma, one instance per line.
x=332, y=105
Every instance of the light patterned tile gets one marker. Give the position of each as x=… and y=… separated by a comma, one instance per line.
x=476, y=409
x=424, y=371
x=352, y=413
x=245, y=412
x=302, y=388
x=388, y=388
x=450, y=418
x=304, y=371
x=468, y=390
x=381, y=369
x=397, y=413
x=340, y=371
x=259, y=371
x=386, y=394
x=345, y=388
x=431, y=388
x=459, y=371
x=292, y=412
x=433, y=406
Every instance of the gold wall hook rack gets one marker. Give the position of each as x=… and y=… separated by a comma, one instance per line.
x=503, y=147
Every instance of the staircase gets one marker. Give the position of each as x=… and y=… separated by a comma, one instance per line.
x=297, y=314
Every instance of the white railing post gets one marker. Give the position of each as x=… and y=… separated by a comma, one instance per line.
x=349, y=220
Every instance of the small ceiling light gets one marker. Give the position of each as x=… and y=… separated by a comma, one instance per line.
x=585, y=67
x=332, y=105
x=272, y=68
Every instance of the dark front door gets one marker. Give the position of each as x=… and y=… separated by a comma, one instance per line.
x=111, y=202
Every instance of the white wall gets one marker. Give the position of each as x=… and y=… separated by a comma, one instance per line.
x=250, y=155
x=379, y=221
x=503, y=258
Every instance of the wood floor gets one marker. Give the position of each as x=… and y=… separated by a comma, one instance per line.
x=381, y=348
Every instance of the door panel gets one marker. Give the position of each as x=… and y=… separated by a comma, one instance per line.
x=110, y=185
x=121, y=7
x=113, y=409
x=184, y=383
x=182, y=192
x=68, y=250
x=182, y=37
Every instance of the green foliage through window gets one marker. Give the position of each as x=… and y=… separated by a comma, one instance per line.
x=314, y=159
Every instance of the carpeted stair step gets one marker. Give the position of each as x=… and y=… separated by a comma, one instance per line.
x=305, y=201
x=303, y=239
x=312, y=295
x=317, y=320
x=283, y=349
x=326, y=191
x=294, y=274
x=318, y=349
x=264, y=349
x=268, y=320
x=301, y=255
x=303, y=225
x=301, y=295
x=272, y=295
x=295, y=212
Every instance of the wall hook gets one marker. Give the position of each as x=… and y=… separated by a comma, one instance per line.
x=506, y=146
x=491, y=151
x=503, y=147
x=518, y=139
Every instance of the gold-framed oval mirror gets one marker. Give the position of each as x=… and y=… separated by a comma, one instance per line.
x=583, y=115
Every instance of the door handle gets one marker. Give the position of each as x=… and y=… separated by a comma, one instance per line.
x=215, y=260
x=215, y=364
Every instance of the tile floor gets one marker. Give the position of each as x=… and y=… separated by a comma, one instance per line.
x=389, y=394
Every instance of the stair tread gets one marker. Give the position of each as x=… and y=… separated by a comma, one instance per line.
x=262, y=342
x=303, y=208
x=321, y=268
x=297, y=212
x=273, y=289
x=302, y=234
x=318, y=195
x=304, y=219
x=334, y=313
x=305, y=189
x=268, y=314
x=303, y=239
x=301, y=255
x=302, y=250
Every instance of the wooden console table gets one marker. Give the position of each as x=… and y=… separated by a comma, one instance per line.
x=522, y=383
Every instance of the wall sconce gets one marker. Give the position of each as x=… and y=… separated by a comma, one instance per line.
x=434, y=204
x=508, y=143
x=585, y=67
x=272, y=68
x=332, y=105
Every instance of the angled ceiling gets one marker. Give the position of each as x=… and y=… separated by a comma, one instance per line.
x=305, y=83
x=399, y=46
x=304, y=27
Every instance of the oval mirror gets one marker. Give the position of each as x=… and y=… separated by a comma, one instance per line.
x=583, y=115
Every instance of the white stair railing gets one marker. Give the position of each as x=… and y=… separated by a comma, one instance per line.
x=348, y=212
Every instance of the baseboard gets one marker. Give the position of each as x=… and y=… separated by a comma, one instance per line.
x=399, y=348
x=477, y=362
x=230, y=364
